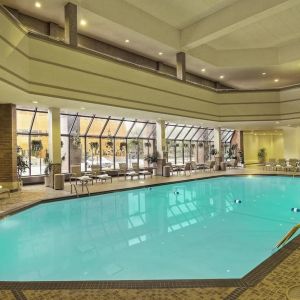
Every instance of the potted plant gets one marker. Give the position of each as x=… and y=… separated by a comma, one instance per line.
x=47, y=170
x=109, y=143
x=147, y=145
x=75, y=141
x=22, y=165
x=134, y=142
x=122, y=146
x=200, y=145
x=94, y=148
x=151, y=159
x=36, y=147
x=262, y=153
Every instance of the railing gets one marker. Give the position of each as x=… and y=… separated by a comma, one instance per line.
x=288, y=235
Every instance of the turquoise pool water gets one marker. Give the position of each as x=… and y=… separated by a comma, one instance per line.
x=189, y=230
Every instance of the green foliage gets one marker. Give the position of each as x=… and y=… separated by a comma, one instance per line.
x=22, y=163
x=48, y=164
x=36, y=147
x=152, y=158
x=262, y=154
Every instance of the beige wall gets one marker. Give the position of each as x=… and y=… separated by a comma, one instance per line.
x=273, y=141
x=291, y=142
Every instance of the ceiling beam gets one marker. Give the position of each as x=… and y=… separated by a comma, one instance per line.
x=126, y=15
x=229, y=19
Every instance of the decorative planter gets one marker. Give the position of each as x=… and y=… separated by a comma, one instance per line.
x=47, y=181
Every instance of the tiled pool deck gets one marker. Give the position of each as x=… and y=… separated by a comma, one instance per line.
x=271, y=280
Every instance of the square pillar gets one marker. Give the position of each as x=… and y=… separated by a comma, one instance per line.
x=71, y=24
x=218, y=147
x=54, y=142
x=161, y=145
x=8, y=147
x=181, y=66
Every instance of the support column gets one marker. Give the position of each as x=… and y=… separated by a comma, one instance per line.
x=218, y=147
x=71, y=24
x=54, y=142
x=180, y=66
x=161, y=145
x=8, y=147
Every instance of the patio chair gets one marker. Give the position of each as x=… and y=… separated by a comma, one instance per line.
x=136, y=169
x=122, y=170
x=293, y=165
x=270, y=165
x=281, y=165
x=75, y=173
x=4, y=191
x=194, y=166
x=209, y=165
x=186, y=168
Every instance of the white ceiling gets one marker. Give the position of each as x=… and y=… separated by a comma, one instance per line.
x=180, y=13
x=239, y=39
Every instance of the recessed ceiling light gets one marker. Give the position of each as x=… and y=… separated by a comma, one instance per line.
x=83, y=108
x=38, y=4
x=35, y=102
x=264, y=73
x=222, y=77
x=277, y=122
x=289, y=125
x=160, y=53
x=83, y=22
x=203, y=70
x=127, y=41
x=276, y=80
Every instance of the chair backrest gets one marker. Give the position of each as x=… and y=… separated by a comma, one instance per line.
x=135, y=166
x=187, y=166
x=282, y=161
x=95, y=169
x=123, y=166
x=193, y=165
x=211, y=164
x=293, y=162
x=272, y=160
x=169, y=164
x=76, y=170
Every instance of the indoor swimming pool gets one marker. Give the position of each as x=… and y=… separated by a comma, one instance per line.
x=212, y=228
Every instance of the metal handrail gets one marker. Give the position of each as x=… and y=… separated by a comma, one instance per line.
x=75, y=188
x=288, y=235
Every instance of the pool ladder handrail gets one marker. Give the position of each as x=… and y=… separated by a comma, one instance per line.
x=288, y=235
x=75, y=188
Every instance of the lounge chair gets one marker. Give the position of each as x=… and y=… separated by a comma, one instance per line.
x=136, y=169
x=4, y=191
x=84, y=180
x=104, y=177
